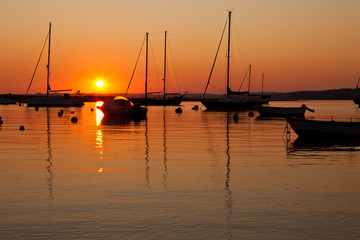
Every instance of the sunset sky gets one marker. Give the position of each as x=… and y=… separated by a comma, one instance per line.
x=298, y=45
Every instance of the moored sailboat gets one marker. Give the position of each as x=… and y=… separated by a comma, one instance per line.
x=51, y=100
x=163, y=100
x=233, y=100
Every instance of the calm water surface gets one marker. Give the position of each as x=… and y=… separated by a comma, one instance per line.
x=195, y=175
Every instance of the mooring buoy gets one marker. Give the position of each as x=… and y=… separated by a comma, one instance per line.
x=178, y=110
x=21, y=128
x=74, y=119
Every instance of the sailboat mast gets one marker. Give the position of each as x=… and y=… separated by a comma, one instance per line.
x=146, y=66
x=228, y=58
x=164, y=65
x=48, y=65
x=249, y=78
x=262, y=85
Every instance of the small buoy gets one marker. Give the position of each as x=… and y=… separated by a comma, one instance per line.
x=1, y=121
x=60, y=114
x=251, y=114
x=236, y=117
x=74, y=119
x=19, y=104
x=62, y=111
x=91, y=109
x=178, y=110
x=72, y=112
x=196, y=107
x=36, y=108
x=21, y=128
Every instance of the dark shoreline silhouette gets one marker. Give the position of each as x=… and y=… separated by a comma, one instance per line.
x=332, y=94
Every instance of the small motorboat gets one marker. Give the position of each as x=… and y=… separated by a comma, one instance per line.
x=306, y=128
x=123, y=107
x=267, y=111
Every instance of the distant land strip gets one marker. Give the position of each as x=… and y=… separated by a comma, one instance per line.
x=333, y=94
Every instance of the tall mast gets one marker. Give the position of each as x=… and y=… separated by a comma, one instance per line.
x=164, y=65
x=48, y=65
x=249, y=78
x=228, y=59
x=146, y=66
x=262, y=84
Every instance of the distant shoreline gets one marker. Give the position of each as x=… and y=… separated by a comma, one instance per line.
x=333, y=94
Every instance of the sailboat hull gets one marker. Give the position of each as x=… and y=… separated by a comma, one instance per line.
x=157, y=101
x=54, y=102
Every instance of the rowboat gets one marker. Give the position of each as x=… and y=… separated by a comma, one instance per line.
x=266, y=111
x=306, y=128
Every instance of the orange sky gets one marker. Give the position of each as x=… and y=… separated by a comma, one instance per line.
x=298, y=45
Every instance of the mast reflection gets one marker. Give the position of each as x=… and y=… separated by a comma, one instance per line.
x=165, y=173
x=147, y=168
x=49, y=167
x=228, y=193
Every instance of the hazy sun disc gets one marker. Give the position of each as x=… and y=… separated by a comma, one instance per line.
x=100, y=83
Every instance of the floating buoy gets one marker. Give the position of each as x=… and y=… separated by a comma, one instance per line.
x=178, y=110
x=236, y=117
x=74, y=119
x=19, y=104
x=91, y=109
x=21, y=128
x=36, y=108
x=251, y=114
x=1, y=121
x=60, y=114
x=62, y=111
x=196, y=107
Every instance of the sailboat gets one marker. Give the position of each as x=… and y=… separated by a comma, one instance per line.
x=52, y=100
x=234, y=100
x=163, y=100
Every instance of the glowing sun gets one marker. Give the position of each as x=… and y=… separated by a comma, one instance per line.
x=100, y=83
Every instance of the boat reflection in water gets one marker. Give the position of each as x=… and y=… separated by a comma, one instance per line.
x=50, y=180
x=312, y=145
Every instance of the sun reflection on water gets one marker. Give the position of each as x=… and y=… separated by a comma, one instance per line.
x=99, y=145
x=99, y=113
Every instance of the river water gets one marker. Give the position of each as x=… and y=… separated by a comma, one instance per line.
x=194, y=175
